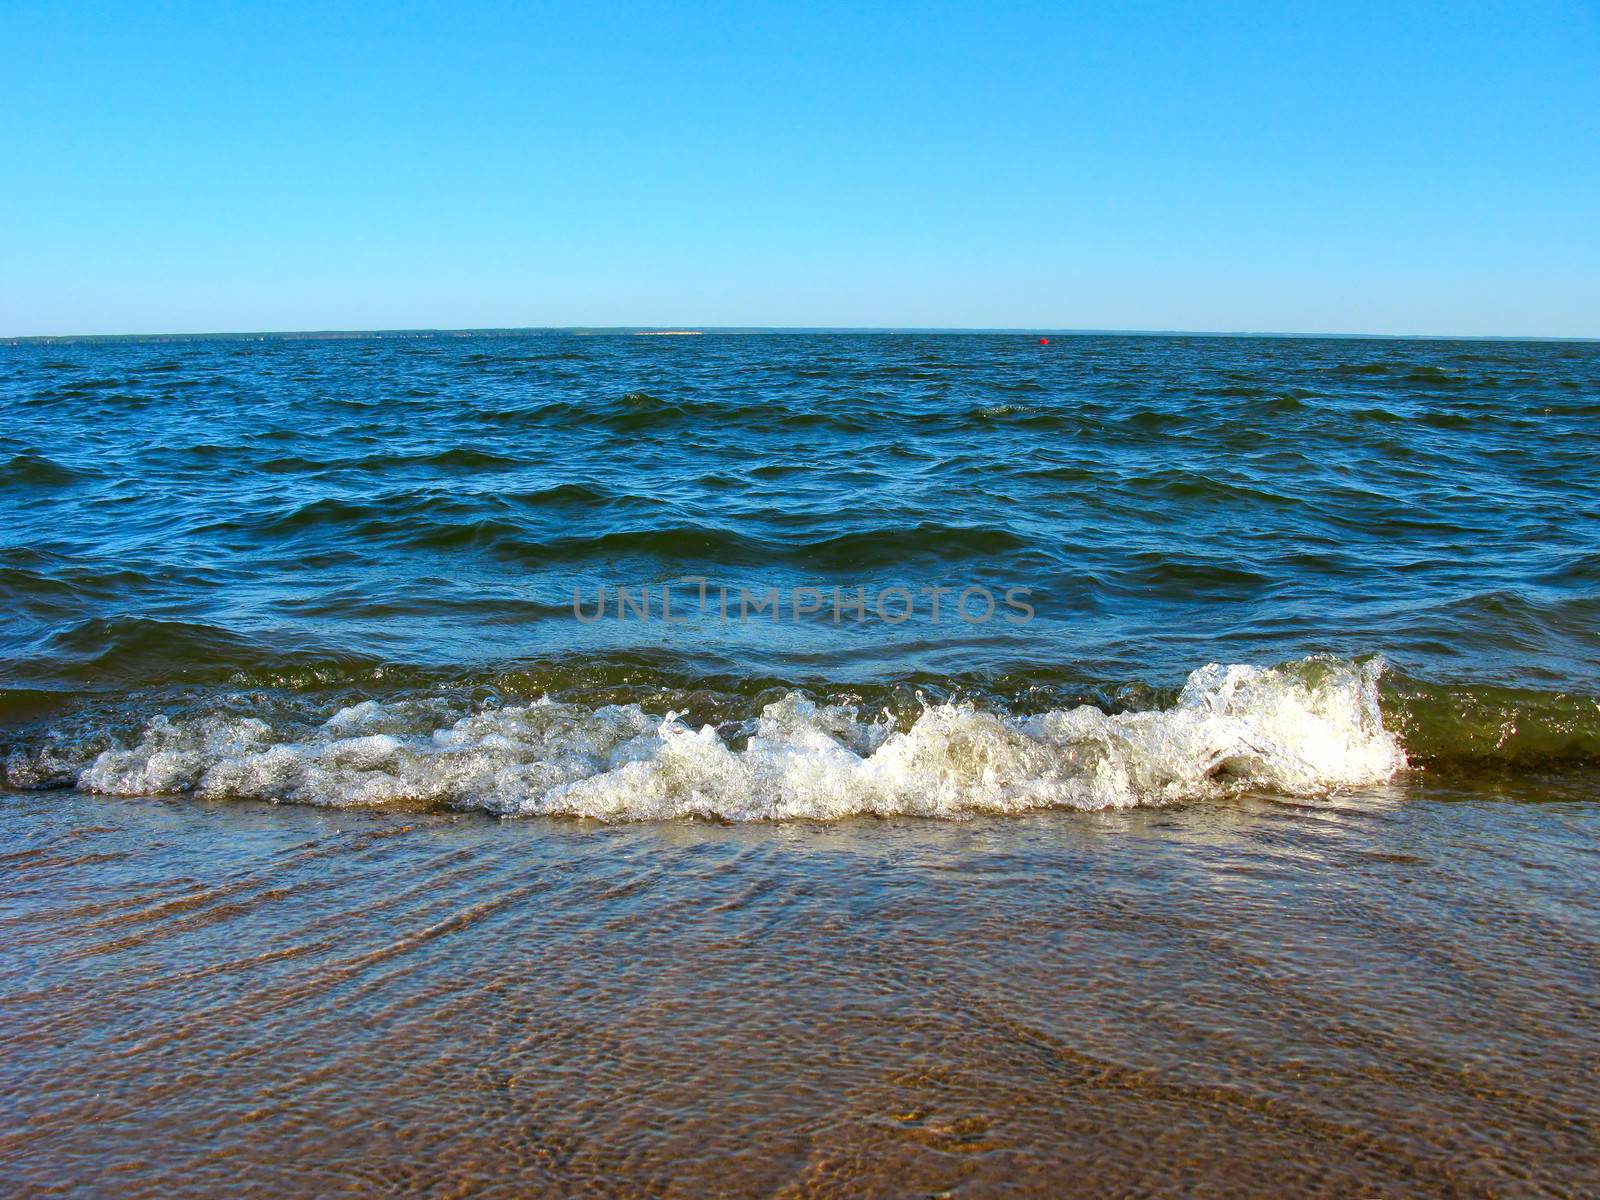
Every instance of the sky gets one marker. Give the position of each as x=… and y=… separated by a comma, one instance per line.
x=1397, y=167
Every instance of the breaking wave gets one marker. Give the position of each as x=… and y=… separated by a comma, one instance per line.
x=1302, y=729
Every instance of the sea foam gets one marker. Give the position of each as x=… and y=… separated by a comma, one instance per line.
x=1302, y=729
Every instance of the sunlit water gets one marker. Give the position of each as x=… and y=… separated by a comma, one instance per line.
x=1260, y=858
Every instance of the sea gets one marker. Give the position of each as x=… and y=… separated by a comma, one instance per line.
x=798, y=764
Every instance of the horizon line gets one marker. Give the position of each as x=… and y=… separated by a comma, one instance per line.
x=604, y=330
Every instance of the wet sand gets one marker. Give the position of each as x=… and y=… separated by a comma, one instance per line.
x=1390, y=993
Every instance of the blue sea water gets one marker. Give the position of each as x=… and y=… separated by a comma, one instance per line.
x=1397, y=540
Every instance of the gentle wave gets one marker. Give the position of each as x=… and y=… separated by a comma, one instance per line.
x=1466, y=727
x=1302, y=729
x=36, y=471
x=424, y=520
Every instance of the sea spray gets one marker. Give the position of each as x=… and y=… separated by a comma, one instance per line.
x=1302, y=729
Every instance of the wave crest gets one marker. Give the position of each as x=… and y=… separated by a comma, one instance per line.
x=1302, y=729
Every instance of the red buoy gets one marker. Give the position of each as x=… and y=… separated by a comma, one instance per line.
x=1044, y=341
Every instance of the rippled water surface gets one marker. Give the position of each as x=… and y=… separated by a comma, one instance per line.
x=1247, y=845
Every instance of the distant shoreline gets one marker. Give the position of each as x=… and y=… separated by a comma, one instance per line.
x=315, y=335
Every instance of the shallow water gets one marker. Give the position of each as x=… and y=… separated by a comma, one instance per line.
x=1388, y=993
x=1259, y=857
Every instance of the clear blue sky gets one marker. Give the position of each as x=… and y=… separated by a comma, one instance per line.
x=1388, y=167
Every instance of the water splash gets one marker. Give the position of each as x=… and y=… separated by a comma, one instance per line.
x=1300, y=729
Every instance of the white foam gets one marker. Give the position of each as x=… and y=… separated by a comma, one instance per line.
x=1305, y=729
